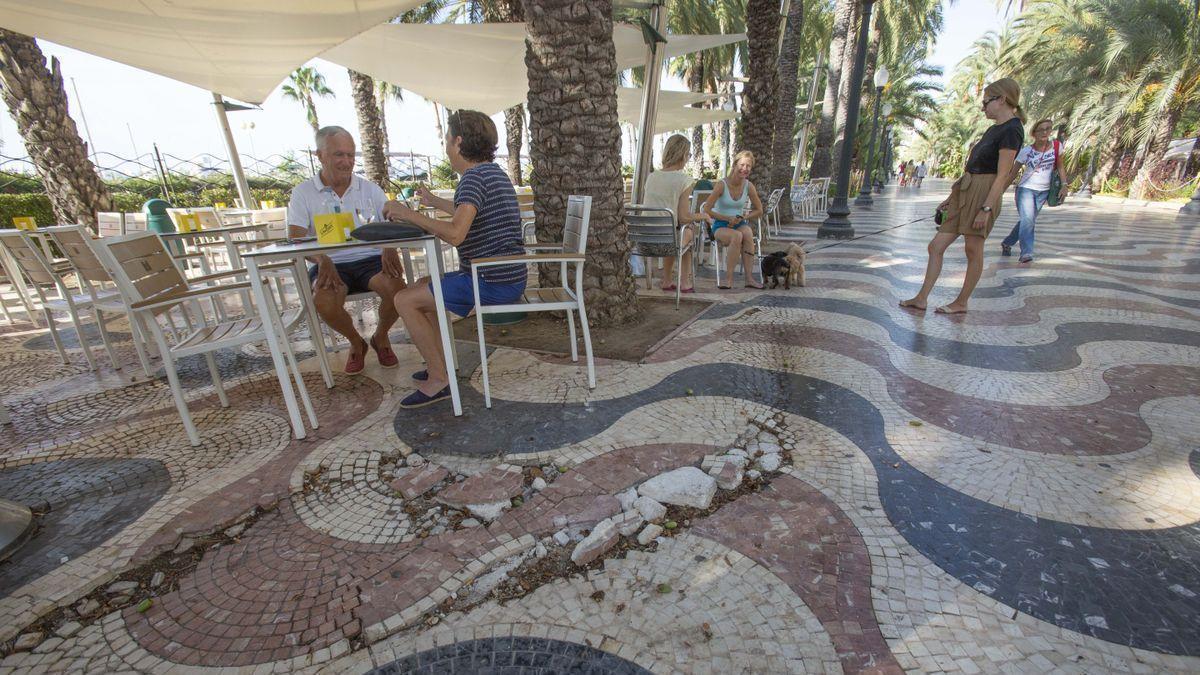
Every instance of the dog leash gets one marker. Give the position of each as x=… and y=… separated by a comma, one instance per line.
x=839, y=242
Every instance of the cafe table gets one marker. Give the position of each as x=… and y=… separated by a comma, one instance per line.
x=296, y=252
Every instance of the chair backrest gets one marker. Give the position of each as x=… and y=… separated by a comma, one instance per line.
x=773, y=199
x=142, y=267
x=135, y=222
x=651, y=225
x=30, y=261
x=575, y=229
x=110, y=223
x=72, y=240
x=698, y=199
x=274, y=219
x=208, y=217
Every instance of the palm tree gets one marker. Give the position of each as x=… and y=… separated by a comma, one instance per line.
x=384, y=92
x=841, y=42
x=372, y=136
x=305, y=84
x=575, y=143
x=756, y=128
x=785, y=108
x=37, y=102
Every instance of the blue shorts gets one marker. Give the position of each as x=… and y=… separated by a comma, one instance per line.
x=718, y=224
x=356, y=274
x=459, y=296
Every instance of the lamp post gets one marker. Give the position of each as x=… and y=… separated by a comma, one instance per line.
x=885, y=149
x=837, y=225
x=864, y=192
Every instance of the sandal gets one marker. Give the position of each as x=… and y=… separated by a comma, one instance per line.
x=690, y=289
x=757, y=288
x=669, y=287
x=725, y=288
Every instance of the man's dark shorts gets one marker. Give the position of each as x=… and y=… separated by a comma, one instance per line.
x=356, y=274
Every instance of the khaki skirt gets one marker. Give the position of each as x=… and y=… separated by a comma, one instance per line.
x=967, y=196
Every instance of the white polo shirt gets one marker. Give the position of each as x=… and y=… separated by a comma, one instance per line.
x=363, y=199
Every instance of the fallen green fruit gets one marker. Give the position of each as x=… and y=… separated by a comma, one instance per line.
x=670, y=525
x=144, y=605
x=664, y=588
x=915, y=423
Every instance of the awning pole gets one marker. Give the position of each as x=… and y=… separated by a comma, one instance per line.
x=654, y=65
x=809, y=114
x=235, y=162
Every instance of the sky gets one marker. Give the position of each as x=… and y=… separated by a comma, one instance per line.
x=127, y=110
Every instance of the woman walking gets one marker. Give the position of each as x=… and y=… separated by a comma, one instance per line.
x=731, y=225
x=974, y=202
x=1040, y=159
x=671, y=188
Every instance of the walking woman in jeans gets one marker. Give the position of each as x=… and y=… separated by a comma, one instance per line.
x=974, y=202
x=1040, y=159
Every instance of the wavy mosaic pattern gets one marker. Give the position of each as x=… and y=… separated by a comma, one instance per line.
x=1012, y=490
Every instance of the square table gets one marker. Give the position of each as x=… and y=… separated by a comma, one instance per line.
x=296, y=252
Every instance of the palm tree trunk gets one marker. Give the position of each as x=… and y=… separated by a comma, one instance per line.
x=310, y=112
x=761, y=99
x=437, y=118
x=822, y=164
x=37, y=102
x=1154, y=151
x=382, y=102
x=695, y=81
x=514, y=123
x=575, y=144
x=844, y=85
x=785, y=111
x=370, y=131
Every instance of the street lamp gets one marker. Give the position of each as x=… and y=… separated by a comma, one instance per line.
x=884, y=154
x=864, y=193
x=837, y=225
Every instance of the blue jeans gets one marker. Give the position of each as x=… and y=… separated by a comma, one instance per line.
x=1029, y=202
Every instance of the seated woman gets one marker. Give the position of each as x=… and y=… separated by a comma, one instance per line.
x=731, y=225
x=671, y=188
x=486, y=223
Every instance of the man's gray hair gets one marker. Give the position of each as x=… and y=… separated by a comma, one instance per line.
x=325, y=133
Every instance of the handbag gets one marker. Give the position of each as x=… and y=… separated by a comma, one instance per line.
x=1054, y=198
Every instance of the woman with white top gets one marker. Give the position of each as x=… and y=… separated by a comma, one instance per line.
x=671, y=188
x=1039, y=159
x=731, y=223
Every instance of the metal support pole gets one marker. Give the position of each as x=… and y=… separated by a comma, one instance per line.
x=162, y=173
x=885, y=149
x=864, y=194
x=837, y=225
x=809, y=114
x=654, y=66
x=235, y=162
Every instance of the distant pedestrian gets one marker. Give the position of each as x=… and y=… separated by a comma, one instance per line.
x=1040, y=160
x=922, y=170
x=974, y=202
x=904, y=173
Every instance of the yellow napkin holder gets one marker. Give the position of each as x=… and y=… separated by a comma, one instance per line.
x=188, y=222
x=333, y=228
x=26, y=223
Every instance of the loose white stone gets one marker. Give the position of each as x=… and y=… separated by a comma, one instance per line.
x=628, y=522
x=539, y=551
x=649, y=534
x=686, y=486
x=770, y=462
x=603, y=537
x=538, y=484
x=627, y=498
x=753, y=474
x=650, y=509
x=469, y=522
x=415, y=460
x=562, y=538
x=488, y=512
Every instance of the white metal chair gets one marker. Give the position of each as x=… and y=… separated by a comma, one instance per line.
x=716, y=246
x=655, y=234
x=135, y=221
x=771, y=215
x=110, y=223
x=567, y=297
x=146, y=273
x=33, y=264
x=75, y=243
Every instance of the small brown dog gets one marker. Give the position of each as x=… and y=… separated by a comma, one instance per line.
x=795, y=260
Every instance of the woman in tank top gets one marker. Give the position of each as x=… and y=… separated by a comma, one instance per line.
x=671, y=188
x=731, y=224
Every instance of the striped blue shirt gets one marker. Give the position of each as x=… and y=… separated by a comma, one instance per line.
x=496, y=230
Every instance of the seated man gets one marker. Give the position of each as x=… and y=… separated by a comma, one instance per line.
x=336, y=189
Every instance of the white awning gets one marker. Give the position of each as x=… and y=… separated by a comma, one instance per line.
x=673, y=111
x=477, y=66
x=238, y=48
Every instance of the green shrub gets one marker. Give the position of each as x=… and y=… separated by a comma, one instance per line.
x=36, y=205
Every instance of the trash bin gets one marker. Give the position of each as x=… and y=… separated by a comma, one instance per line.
x=158, y=220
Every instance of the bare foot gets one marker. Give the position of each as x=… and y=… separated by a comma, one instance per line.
x=952, y=308
x=913, y=303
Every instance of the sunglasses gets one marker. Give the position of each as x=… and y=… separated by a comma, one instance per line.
x=989, y=99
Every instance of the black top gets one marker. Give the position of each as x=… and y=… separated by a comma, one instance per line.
x=986, y=153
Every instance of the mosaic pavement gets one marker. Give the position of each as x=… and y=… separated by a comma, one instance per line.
x=1016, y=489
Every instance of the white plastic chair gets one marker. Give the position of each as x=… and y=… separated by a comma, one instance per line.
x=567, y=297
x=771, y=215
x=146, y=273
x=75, y=243
x=110, y=223
x=31, y=262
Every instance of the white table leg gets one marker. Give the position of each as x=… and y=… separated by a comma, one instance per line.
x=281, y=369
x=316, y=335
x=433, y=254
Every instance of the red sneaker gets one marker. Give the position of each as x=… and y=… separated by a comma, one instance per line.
x=387, y=357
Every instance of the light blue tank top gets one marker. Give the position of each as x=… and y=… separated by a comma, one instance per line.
x=729, y=206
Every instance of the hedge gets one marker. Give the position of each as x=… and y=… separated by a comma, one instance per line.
x=38, y=205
